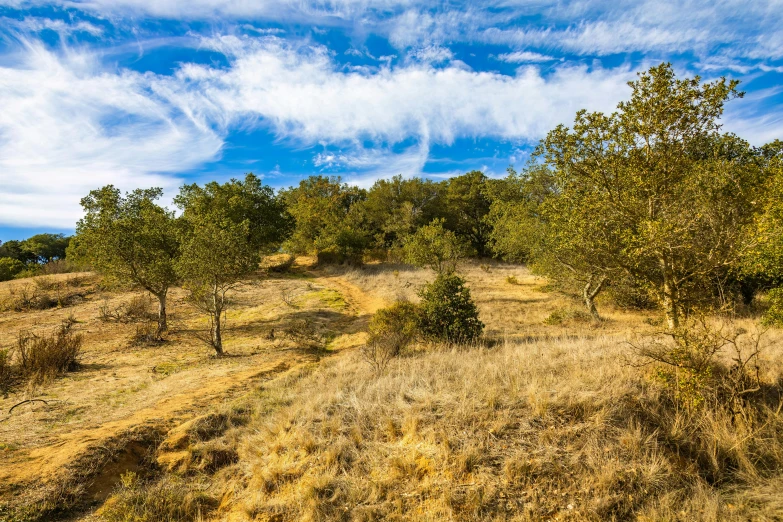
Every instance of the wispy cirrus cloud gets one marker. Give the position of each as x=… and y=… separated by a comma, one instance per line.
x=69, y=126
x=136, y=92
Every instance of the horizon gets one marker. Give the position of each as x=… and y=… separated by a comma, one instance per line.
x=139, y=93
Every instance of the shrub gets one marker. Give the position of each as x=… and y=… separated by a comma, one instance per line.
x=690, y=364
x=9, y=267
x=392, y=330
x=774, y=314
x=46, y=356
x=146, y=334
x=562, y=315
x=435, y=247
x=6, y=373
x=138, y=309
x=33, y=297
x=447, y=311
x=307, y=333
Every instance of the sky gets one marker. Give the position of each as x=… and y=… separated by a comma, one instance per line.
x=143, y=93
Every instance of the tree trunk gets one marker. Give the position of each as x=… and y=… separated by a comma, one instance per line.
x=217, y=309
x=590, y=292
x=670, y=305
x=217, y=335
x=163, y=324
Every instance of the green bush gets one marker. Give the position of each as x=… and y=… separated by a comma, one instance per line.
x=774, y=314
x=392, y=330
x=447, y=312
x=9, y=267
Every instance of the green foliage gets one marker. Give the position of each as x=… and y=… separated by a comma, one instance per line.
x=774, y=314
x=395, y=208
x=435, y=247
x=130, y=239
x=651, y=191
x=43, y=248
x=223, y=230
x=514, y=213
x=240, y=201
x=392, y=329
x=447, y=312
x=328, y=221
x=467, y=203
x=764, y=257
x=9, y=267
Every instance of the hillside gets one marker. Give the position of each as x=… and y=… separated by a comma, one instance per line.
x=551, y=419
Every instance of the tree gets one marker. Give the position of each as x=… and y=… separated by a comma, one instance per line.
x=395, y=208
x=130, y=239
x=15, y=250
x=435, y=247
x=467, y=204
x=248, y=200
x=43, y=248
x=9, y=267
x=514, y=215
x=653, y=190
x=328, y=224
x=763, y=261
x=216, y=255
x=224, y=229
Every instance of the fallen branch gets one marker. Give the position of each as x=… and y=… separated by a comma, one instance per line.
x=25, y=402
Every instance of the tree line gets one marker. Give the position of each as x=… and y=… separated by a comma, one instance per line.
x=653, y=205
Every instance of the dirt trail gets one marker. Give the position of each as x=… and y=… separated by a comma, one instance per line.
x=46, y=463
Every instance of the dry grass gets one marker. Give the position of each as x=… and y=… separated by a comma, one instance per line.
x=546, y=422
x=556, y=429
x=119, y=386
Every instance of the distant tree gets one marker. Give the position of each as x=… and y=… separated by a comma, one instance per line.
x=15, y=250
x=328, y=223
x=653, y=190
x=435, y=247
x=9, y=267
x=130, y=239
x=515, y=214
x=467, y=204
x=396, y=207
x=224, y=229
x=43, y=248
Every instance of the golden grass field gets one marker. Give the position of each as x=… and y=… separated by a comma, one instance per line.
x=542, y=422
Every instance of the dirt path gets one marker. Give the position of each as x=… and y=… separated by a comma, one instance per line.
x=47, y=463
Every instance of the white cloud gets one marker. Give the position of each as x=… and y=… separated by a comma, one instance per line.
x=68, y=127
x=33, y=24
x=525, y=57
x=302, y=94
x=431, y=54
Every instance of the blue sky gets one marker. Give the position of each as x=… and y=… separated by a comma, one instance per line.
x=143, y=93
